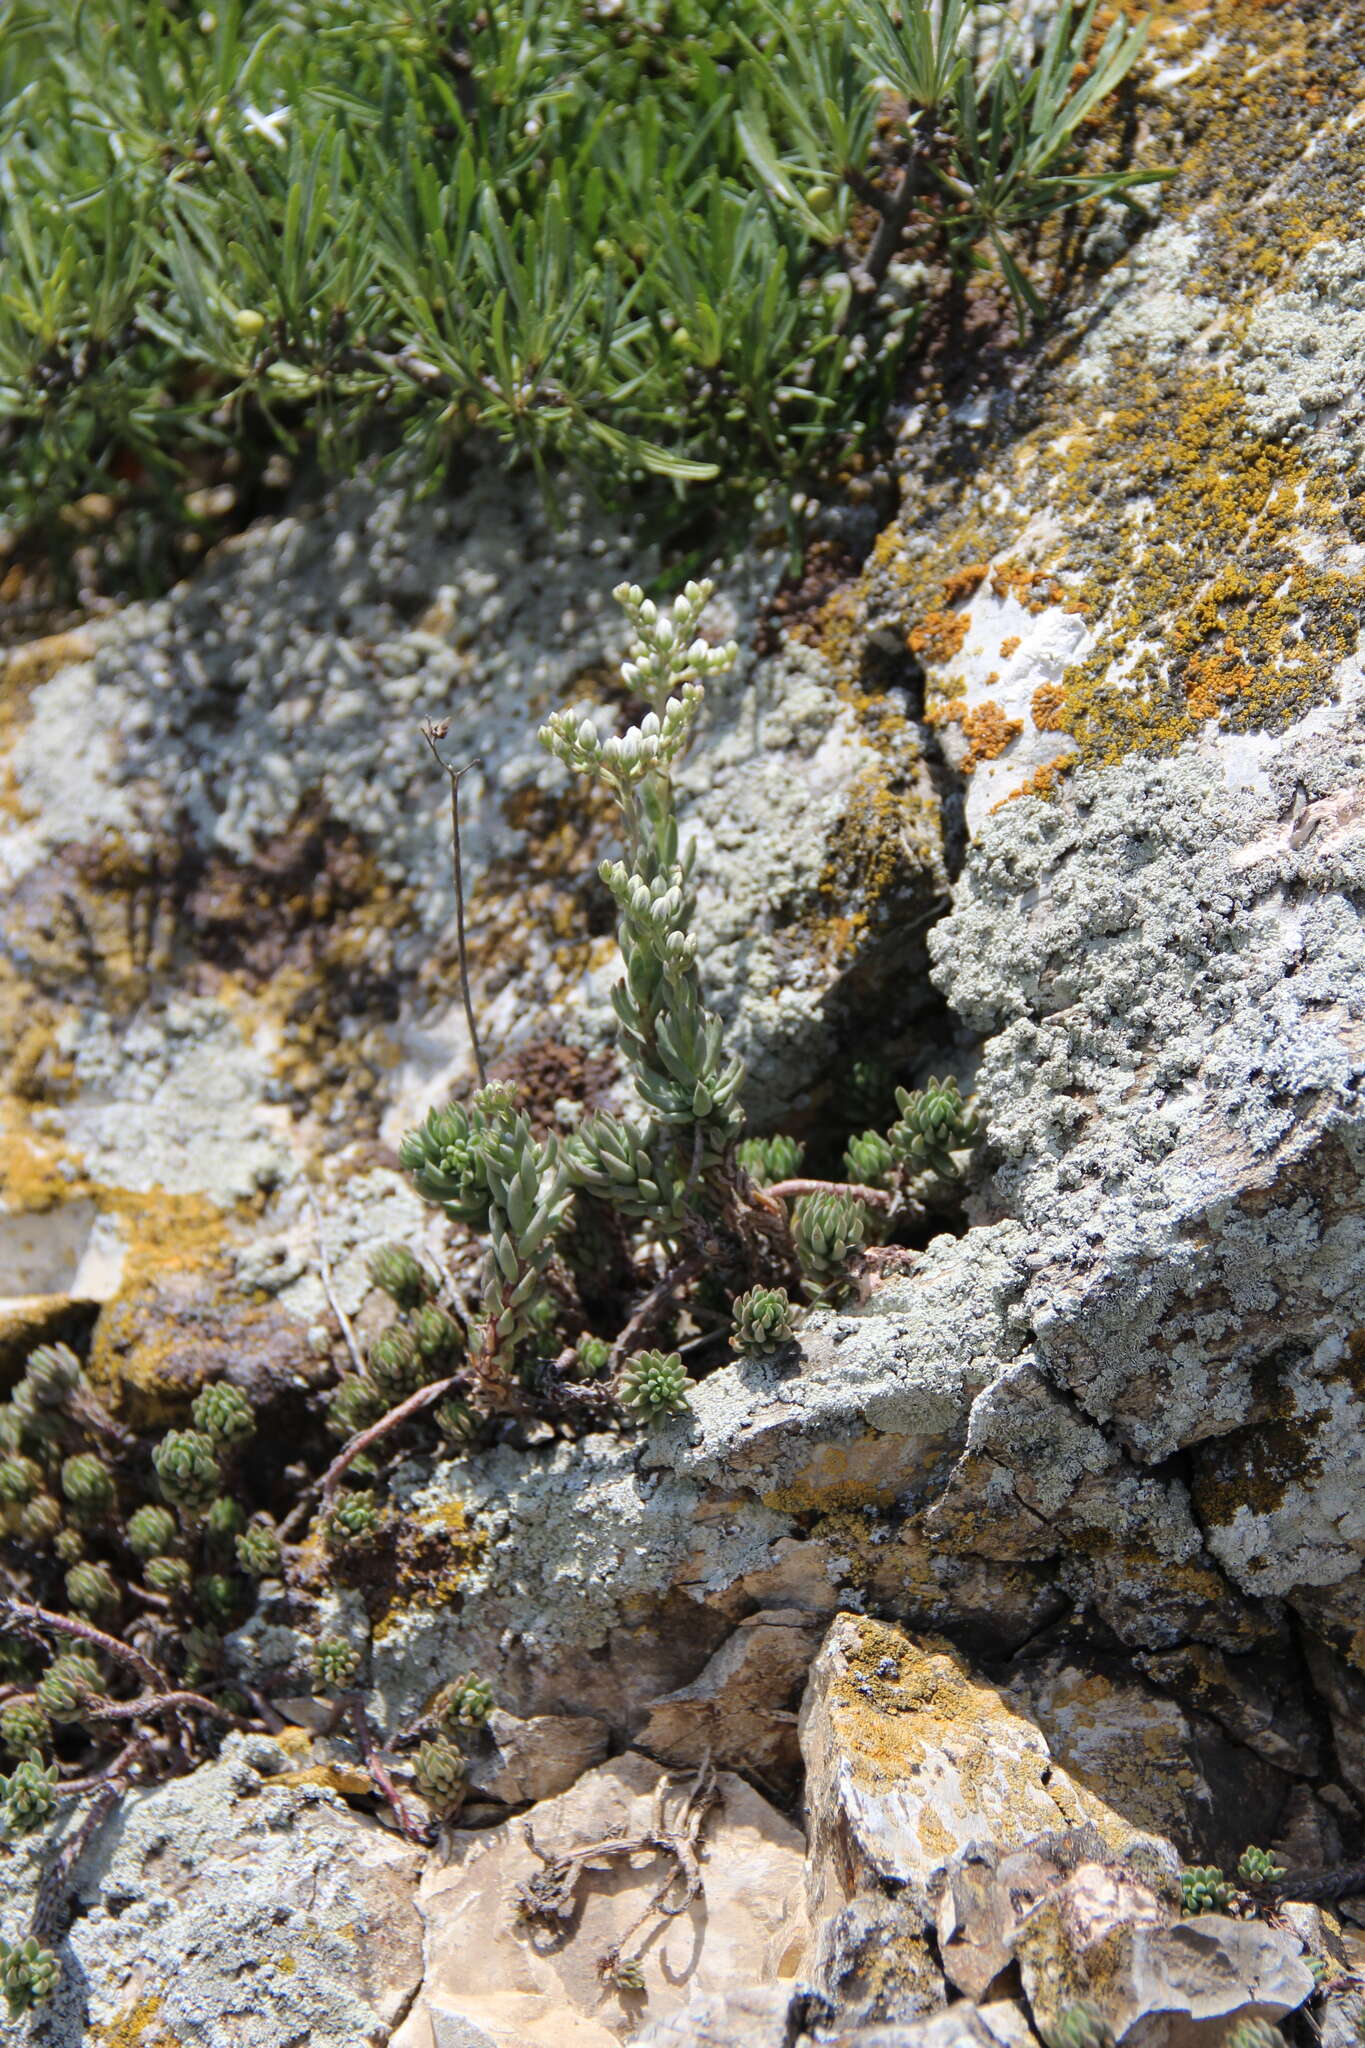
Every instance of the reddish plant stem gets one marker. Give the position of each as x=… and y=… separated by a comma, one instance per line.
x=31, y=1620
x=411, y=1830
x=326, y=1486
x=876, y=1198
x=160, y=1703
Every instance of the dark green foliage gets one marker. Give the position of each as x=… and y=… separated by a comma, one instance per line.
x=1258, y=1867
x=224, y=1521
x=53, y=1373
x=934, y=1123
x=353, y=1405
x=827, y=1227
x=676, y=246
x=395, y=1367
x=258, y=1550
x=168, y=1575
x=1081, y=2026
x=1255, y=2033
x=40, y=1519
x=91, y=1590
x=868, y=1158
x=20, y=1478
x=351, y=1520
x=88, y=1484
x=437, y=1338
x=29, y=1974
x=187, y=1466
x=654, y=1385
x=770, y=1160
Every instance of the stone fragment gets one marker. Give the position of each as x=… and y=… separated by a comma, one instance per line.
x=741, y=1710
x=874, y=1962
x=536, y=1758
x=750, y=2016
x=490, y=1974
x=910, y=1760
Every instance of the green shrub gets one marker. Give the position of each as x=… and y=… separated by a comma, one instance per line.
x=687, y=239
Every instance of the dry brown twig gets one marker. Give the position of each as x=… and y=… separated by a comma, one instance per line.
x=325, y=1269
x=549, y=1898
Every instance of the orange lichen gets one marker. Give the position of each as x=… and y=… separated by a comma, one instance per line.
x=1046, y=706
x=1009, y=646
x=988, y=732
x=938, y=636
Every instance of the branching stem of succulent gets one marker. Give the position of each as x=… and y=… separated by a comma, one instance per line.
x=161, y=1703
x=325, y=1270
x=36, y=1622
x=686, y=1269
x=413, y=1405
x=431, y=733
x=411, y=1829
x=50, y=1906
x=876, y=1198
x=76, y=1788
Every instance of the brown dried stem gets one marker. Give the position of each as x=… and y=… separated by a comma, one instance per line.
x=788, y=1190
x=40, y=1621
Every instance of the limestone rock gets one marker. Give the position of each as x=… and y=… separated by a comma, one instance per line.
x=741, y=1709
x=492, y=1978
x=910, y=1760
x=535, y=1759
x=224, y=1907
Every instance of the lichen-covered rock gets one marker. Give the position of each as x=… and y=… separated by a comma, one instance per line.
x=911, y=1759
x=224, y=1907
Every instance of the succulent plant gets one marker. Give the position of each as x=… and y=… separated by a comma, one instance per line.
x=68, y=1546
x=1254, y=2033
x=152, y=1531
x=826, y=1227
x=594, y=1356
x=88, y=1484
x=934, y=1123
x=353, y=1405
x=439, y=1773
x=20, y=1478
x=186, y=1462
x=24, y=1726
x=400, y=1275
x=654, y=1384
x=869, y=1158
x=1257, y=1867
x=28, y=1796
x=39, y=1520
x=170, y=1576
x=437, y=1338
x=354, y=1518
x=216, y=1595
x=1204, y=1889
x=335, y=1664
x=224, y=1520
x=455, y=1419
x=65, y=1685
x=770, y=1160
x=53, y=1373
x=464, y=1703
x=224, y=1415
x=394, y=1364
x=1080, y=2026
x=29, y=1974
x=259, y=1552
x=91, y=1589
x=760, y=1320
